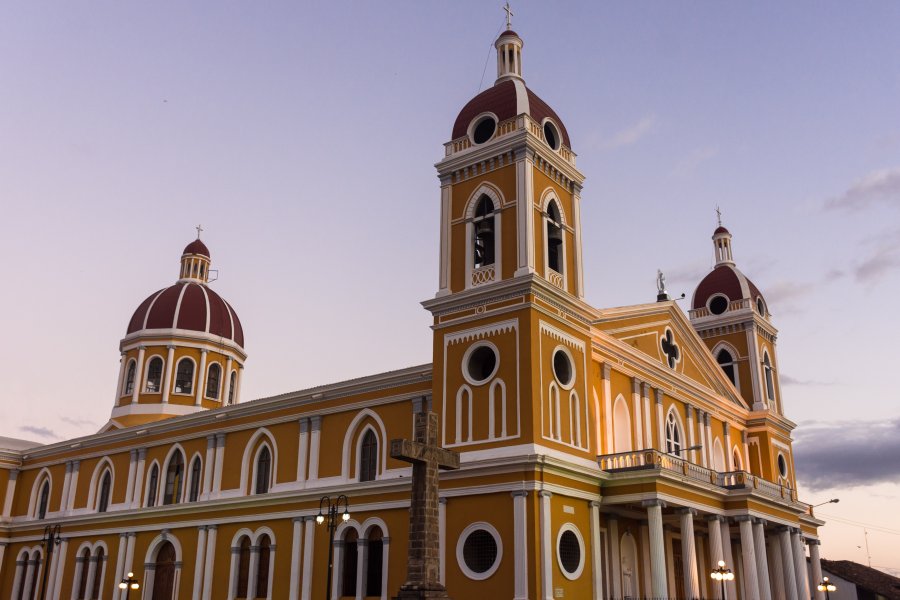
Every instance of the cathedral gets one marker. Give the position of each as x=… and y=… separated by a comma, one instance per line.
x=604, y=453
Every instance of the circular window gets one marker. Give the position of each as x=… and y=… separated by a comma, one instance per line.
x=782, y=466
x=551, y=135
x=484, y=129
x=760, y=307
x=562, y=367
x=570, y=551
x=479, y=550
x=718, y=305
x=480, y=363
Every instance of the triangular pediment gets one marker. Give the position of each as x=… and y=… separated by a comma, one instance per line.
x=663, y=333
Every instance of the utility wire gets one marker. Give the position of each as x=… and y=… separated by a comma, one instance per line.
x=488, y=58
x=871, y=526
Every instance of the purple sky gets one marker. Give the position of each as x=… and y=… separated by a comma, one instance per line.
x=303, y=139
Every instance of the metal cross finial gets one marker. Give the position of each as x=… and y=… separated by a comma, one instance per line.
x=199, y=228
x=509, y=15
x=719, y=215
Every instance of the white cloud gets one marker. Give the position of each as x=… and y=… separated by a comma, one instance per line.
x=689, y=163
x=630, y=136
x=878, y=186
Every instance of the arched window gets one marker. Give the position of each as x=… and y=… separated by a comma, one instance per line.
x=184, y=376
x=243, y=577
x=154, y=374
x=263, y=470
x=375, y=562
x=43, y=500
x=554, y=238
x=350, y=561
x=726, y=361
x=85, y=558
x=770, y=383
x=674, y=439
x=483, y=228
x=231, y=387
x=195, y=480
x=212, y=381
x=129, y=379
x=152, y=484
x=621, y=426
x=262, y=570
x=174, y=479
x=738, y=461
x=103, y=497
x=368, y=457
x=98, y=573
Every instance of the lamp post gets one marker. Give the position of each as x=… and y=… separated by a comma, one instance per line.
x=129, y=583
x=832, y=501
x=827, y=587
x=50, y=540
x=331, y=515
x=722, y=575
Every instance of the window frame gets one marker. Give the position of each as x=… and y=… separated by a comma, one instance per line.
x=218, y=390
x=104, y=491
x=269, y=480
x=576, y=574
x=367, y=466
x=162, y=374
x=460, y=550
x=129, y=382
x=193, y=389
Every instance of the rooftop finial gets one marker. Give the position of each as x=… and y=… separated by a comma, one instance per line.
x=661, y=294
x=199, y=228
x=719, y=215
x=509, y=15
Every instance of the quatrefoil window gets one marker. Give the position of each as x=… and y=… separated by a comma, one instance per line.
x=670, y=349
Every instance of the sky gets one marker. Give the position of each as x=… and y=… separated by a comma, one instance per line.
x=303, y=137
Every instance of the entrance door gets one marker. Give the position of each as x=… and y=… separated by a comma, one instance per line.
x=164, y=578
x=678, y=567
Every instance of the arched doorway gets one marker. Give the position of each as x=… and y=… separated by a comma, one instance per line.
x=164, y=572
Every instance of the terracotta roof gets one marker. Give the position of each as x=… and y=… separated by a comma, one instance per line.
x=873, y=580
x=191, y=306
x=508, y=32
x=721, y=229
x=197, y=247
x=726, y=280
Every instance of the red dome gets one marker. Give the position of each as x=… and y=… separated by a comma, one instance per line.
x=721, y=229
x=197, y=247
x=191, y=306
x=507, y=99
x=728, y=281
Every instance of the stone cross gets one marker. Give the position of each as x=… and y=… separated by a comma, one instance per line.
x=423, y=578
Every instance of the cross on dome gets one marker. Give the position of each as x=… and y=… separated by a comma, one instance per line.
x=509, y=15
x=199, y=228
x=719, y=215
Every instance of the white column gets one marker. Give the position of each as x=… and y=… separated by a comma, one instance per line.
x=201, y=378
x=254, y=567
x=92, y=573
x=762, y=561
x=756, y=375
x=444, y=266
x=729, y=455
x=208, y=466
x=120, y=564
x=385, y=554
x=800, y=571
x=773, y=554
x=79, y=572
x=746, y=448
x=816, y=565
x=362, y=558
x=709, y=442
x=703, y=443
x=11, y=491
x=167, y=383
x=296, y=548
x=525, y=211
x=615, y=559
x=240, y=380
x=691, y=439
x=689, y=553
x=138, y=478
x=748, y=556
x=129, y=486
x=64, y=500
x=138, y=374
x=303, y=449
x=211, y=531
x=648, y=419
x=121, y=380
x=199, y=562
x=129, y=556
x=226, y=389
x=713, y=523
x=660, y=422
x=579, y=261
x=442, y=538
x=607, y=408
x=638, y=420
x=646, y=581
x=73, y=485
x=233, y=572
x=546, y=548
x=308, y=540
x=659, y=587
x=56, y=560
x=787, y=564
x=315, y=433
x=338, y=569
x=219, y=464
x=596, y=565
x=728, y=557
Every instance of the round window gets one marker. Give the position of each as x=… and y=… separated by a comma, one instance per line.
x=760, y=307
x=570, y=551
x=718, y=305
x=479, y=551
x=484, y=130
x=481, y=364
x=551, y=135
x=782, y=466
x=562, y=367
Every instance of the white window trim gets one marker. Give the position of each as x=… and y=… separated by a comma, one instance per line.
x=193, y=378
x=562, y=348
x=577, y=573
x=122, y=392
x=146, y=377
x=465, y=363
x=550, y=196
x=209, y=367
x=460, y=544
x=471, y=205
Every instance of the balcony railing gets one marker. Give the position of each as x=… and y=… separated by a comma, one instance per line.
x=654, y=459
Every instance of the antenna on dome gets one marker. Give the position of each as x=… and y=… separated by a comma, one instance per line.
x=199, y=228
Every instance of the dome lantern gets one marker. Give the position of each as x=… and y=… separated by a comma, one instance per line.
x=195, y=261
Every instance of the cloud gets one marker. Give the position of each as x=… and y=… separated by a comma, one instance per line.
x=39, y=431
x=783, y=291
x=689, y=163
x=882, y=185
x=78, y=422
x=788, y=380
x=630, y=136
x=847, y=454
x=883, y=260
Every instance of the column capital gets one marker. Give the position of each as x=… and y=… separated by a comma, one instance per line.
x=519, y=494
x=442, y=500
x=687, y=511
x=605, y=371
x=220, y=439
x=316, y=422
x=726, y=427
x=594, y=503
x=743, y=436
x=653, y=502
x=203, y=351
x=718, y=518
x=142, y=347
x=170, y=347
x=758, y=521
x=706, y=419
x=304, y=424
x=690, y=410
x=813, y=542
x=545, y=494
x=784, y=529
x=659, y=396
x=212, y=527
x=211, y=439
x=201, y=528
x=635, y=385
x=299, y=519
x=742, y=518
x=308, y=518
x=646, y=390
x=611, y=516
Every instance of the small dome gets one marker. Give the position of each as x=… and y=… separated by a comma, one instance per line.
x=190, y=306
x=721, y=229
x=725, y=280
x=197, y=247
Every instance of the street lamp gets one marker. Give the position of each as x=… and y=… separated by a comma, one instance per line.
x=51, y=539
x=832, y=501
x=331, y=515
x=688, y=449
x=128, y=584
x=827, y=587
x=722, y=575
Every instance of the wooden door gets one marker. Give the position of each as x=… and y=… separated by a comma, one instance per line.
x=164, y=577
